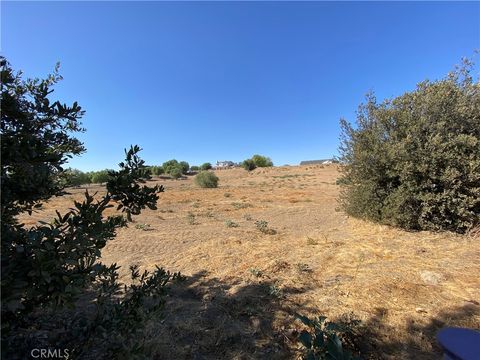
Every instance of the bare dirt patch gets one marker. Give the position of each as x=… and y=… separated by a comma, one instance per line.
x=244, y=284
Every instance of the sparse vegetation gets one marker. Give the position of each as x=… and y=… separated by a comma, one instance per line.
x=144, y=227
x=325, y=339
x=414, y=161
x=241, y=205
x=231, y=224
x=206, y=179
x=275, y=291
x=191, y=219
x=256, y=272
x=302, y=267
x=248, y=217
x=262, y=225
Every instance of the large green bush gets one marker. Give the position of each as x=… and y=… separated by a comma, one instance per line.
x=55, y=292
x=262, y=161
x=414, y=161
x=206, y=179
x=185, y=166
x=206, y=166
x=174, y=168
x=176, y=172
x=249, y=165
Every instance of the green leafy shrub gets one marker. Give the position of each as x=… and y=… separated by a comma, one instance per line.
x=262, y=161
x=206, y=179
x=414, y=161
x=324, y=339
x=74, y=177
x=169, y=165
x=206, y=166
x=195, y=168
x=249, y=165
x=55, y=291
x=100, y=177
x=176, y=172
x=156, y=170
x=184, y=166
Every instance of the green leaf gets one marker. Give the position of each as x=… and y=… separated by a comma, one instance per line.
x=306, y=339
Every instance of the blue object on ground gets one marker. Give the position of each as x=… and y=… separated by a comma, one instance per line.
x=460, y=343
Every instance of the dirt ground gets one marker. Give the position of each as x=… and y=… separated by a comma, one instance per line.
x=243, y=285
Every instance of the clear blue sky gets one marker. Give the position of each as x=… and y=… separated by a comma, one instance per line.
x=223, y=80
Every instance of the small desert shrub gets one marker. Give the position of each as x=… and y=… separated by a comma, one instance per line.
x=249, y=165
x=206, y=166
x=191, y=219
x=206, y=179
x=239, y=205
x=144, y=227
x=414, y=161
x=302, y=267
x=275, y=291
x=230, y=224
x=256, y=272
x=248, y=217
x=327, y=340
x=262, y=225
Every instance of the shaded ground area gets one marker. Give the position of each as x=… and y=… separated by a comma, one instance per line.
x=245, y=281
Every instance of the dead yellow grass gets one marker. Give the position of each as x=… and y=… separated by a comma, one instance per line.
x=244, y=285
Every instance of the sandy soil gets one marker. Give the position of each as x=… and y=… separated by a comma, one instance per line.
x=244, y=286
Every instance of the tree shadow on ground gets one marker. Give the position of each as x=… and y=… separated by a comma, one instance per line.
x=417, y=340
x=207, y=319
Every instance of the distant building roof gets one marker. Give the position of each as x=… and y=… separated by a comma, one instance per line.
x=316, y=162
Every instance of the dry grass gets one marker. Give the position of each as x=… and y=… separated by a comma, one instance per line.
x=318, y=262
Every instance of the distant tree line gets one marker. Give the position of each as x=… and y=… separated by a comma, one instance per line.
x=414, y=161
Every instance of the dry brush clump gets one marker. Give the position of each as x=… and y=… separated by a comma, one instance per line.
x=206, y=179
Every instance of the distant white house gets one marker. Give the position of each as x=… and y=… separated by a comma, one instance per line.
x=224, y=164
x=317, y=162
